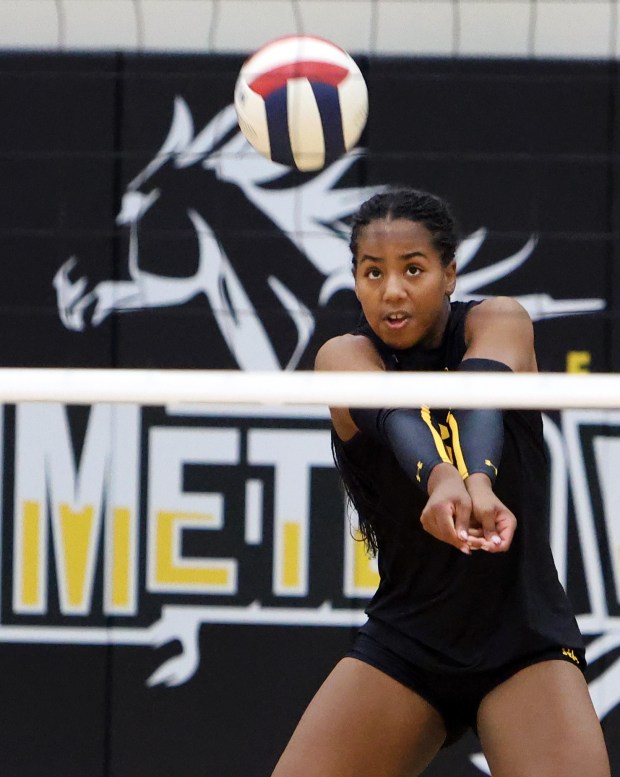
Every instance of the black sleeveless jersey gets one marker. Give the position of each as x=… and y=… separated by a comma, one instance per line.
x=435, y=605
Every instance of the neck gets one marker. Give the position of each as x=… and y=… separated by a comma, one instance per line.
x=435, y=337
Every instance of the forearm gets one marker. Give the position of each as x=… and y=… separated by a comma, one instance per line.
x=477, y=434
x=411, y=435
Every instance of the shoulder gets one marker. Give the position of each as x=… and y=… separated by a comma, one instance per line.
x=501, y=314
x=499, y=307
x=501, y=329
x=348, y=352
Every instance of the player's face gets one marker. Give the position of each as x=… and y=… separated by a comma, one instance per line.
x=401, y=284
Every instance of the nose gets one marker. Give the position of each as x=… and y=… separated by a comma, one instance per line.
x=393, y=287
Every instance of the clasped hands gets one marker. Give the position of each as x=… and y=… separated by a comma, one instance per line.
x=466, y=513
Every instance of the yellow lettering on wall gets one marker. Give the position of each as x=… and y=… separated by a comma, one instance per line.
x=578, y=361
x=30, y=583
x=121, y=557
x=76, y=535
x=292, y=549
x=192, y=574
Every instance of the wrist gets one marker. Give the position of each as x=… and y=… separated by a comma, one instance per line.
x=479, y=477
x=440, y=474
x=478, y=481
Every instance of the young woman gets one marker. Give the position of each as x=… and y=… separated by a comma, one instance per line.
x=470, y=626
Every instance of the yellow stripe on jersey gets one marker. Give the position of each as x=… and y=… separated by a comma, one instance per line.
x=456, y=447
x=425, y=412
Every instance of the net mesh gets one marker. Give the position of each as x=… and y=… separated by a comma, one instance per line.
x=534, y=28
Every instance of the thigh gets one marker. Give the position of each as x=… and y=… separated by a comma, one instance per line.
x=542, y=722
x=362, y=723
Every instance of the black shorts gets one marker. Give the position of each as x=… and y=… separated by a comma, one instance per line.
x=455, y=696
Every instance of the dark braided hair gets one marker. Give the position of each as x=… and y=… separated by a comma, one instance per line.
x=359, y=490
x=413, y=205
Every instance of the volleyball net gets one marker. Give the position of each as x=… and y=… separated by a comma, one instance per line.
x=543, y=391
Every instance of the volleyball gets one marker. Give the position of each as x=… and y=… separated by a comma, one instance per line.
x=301, y=101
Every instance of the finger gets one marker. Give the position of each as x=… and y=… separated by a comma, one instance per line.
x=506, y=527
x=477, y=540
x=440, y=523
x=462, y=517
x=477, y=543
x=488, y=521
x=446, y=531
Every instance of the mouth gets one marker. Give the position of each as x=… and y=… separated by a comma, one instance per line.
x=396, y=320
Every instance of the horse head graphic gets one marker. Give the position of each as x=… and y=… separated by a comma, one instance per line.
x=302, y=248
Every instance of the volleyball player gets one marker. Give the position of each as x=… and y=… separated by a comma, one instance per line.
x=469, y=627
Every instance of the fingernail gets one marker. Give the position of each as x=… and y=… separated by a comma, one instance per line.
x=463, y=534
x=496, y=540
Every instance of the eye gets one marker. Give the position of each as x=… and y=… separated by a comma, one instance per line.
x=412, y=269
x=373, y=272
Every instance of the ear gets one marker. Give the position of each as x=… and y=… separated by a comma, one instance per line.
x=450, y=276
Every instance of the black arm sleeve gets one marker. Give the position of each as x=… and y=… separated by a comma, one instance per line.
x=410, y=434
x=477, y=435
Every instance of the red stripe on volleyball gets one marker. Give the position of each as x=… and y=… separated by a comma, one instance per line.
x=274, y=79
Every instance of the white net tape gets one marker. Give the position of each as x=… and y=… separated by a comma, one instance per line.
x=337, y=389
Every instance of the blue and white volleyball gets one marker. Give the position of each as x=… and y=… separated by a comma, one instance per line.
x=301, y=101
